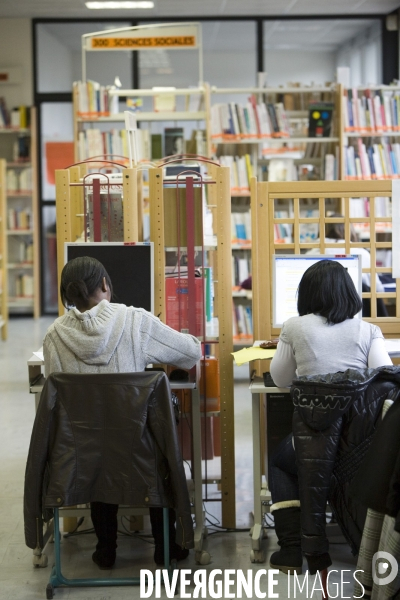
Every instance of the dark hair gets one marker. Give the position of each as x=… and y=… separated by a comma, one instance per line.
x=80, y=278
x=335, y=231
x=327, y=289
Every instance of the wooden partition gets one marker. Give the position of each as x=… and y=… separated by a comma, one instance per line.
x=219, y=255
x=294, y=207
x=70, y=209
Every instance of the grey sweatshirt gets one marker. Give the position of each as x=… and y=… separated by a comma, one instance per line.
x=114, y=338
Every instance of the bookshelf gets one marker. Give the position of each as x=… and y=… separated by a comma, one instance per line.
x=99, y=120
x=264, y=133
x=18, y=147
x=216, y=334
x=371, y=132
x=3, y=252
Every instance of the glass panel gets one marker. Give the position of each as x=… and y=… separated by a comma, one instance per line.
x=49, y=260
x=57, y=148
x=60, y=44
x=229, y=58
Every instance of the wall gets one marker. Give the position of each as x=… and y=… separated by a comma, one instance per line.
x=284, y=66
x=16, y=51
x=364, y=57
x=55, y=64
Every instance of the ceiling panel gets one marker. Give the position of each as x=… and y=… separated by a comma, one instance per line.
x=207, y=8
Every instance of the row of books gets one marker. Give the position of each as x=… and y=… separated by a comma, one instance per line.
x=376, y=161
x=241, y=227
x=371, y=111
x=242, y=320
x=19, y=219
x=19, y=180
x=22, y=149
x=360, y=207
x=21, y=252
x=24, y=286
x=16, y=118
x=241, y=269
x=234, y=121
x=93, y=99
x=241, y=171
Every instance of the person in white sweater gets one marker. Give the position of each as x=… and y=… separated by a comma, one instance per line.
x=98, y=336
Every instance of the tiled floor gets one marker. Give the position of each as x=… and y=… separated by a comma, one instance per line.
x=20, y=581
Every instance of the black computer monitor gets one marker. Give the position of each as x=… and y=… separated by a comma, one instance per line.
x=130, y=267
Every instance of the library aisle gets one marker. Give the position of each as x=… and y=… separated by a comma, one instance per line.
x=18, y=578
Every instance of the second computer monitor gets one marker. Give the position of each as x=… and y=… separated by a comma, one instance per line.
x=288, y=270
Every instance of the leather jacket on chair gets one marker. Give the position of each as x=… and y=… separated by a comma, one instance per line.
x=334, y=420
x=109, y=438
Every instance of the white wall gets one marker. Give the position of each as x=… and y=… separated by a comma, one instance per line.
x=16, y=51
x=284, y=66
x=364, y=57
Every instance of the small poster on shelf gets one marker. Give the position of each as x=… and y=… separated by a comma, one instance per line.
x=320, y=119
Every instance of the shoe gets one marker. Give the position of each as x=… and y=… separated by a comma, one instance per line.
x=175, y=553
x=287, y=528
x=103, y=562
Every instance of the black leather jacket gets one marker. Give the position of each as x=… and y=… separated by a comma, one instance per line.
x=109, y=438
x=334, y=421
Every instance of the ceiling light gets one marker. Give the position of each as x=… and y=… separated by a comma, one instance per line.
x=123, y=4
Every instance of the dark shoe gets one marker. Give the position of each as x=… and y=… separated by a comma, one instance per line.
x=287, y=560
x=175, y=553
x=288, y=530
x=102, y=561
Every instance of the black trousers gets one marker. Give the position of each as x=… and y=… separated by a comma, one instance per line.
x=104, y=518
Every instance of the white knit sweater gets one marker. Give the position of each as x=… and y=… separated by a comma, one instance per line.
x=114, y=338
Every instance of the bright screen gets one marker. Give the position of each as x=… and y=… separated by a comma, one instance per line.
x=288, y=270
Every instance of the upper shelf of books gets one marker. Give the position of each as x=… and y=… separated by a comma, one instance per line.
x=275, y=115
x=373, y=111
x=94, y=102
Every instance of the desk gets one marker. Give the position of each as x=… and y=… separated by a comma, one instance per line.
x=262, y=495
x=36, y=382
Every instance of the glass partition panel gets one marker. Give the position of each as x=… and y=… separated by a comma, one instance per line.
x=57, y=145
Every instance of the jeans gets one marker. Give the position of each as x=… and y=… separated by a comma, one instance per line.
x=283, y=476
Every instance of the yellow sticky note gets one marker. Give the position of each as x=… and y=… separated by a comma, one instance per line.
x=253, y=353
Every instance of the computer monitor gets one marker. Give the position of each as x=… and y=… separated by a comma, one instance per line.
x=288, y=270
x=130, y=267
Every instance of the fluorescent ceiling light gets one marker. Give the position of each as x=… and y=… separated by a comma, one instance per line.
x=123, y=4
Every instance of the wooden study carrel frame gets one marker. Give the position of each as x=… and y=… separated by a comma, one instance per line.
x=288, y=205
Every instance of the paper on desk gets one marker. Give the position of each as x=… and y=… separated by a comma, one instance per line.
x=39, y=354
x=253, y=353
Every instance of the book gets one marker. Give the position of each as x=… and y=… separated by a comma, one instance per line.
x=320, y=119
x=174, y=141
x=156, y=146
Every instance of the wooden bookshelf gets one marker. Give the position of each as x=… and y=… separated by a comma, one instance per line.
x=103, y=122
x=3, y=253
x=163, y=229
x=21, y=219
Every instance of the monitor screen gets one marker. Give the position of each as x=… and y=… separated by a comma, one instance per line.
x=130, y=267
x=288, y=270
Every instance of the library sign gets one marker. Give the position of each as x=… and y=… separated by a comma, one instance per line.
x=145, y=39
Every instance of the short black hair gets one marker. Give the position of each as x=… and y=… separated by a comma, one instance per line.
x=327, y=289
x=80, y=278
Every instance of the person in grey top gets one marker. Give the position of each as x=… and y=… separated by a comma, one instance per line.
x=98, y=336
x=325, y=338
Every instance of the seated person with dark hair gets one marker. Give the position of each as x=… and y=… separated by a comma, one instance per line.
x=324, y=338
x=98, y=336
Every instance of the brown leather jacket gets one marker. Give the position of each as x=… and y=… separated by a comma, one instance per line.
x=108, y=438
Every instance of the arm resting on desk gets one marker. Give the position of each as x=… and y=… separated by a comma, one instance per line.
x=378, y=356
x=283, y=365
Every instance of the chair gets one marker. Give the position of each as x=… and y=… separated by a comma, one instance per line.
x=107, y=438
